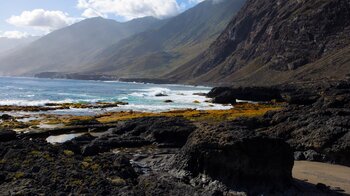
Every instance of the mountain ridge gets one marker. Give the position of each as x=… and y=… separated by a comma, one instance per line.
x=69, y=47
x=157, y=51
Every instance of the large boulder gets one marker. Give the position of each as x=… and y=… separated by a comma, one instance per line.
x=225, y=95
x=6, y=117
x=238, y=157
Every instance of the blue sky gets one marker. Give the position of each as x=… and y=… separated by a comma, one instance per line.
x=37, y=17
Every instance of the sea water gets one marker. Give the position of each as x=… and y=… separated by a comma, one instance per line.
x=140, y=97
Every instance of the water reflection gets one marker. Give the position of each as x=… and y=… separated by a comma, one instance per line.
x=54, y=139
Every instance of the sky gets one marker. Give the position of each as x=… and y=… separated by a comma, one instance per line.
x=23, y=18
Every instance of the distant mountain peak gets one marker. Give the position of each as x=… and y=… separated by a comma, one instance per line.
x=71, y=47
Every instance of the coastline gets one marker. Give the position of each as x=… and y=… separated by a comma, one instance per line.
x=182, y=146
x=96, y=77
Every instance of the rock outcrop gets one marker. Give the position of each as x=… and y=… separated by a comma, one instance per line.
x=229, y=95
x=30, y=167
x=143, y=157
x=322, y=126
x=315, y=122
x=162, y=131
x=238, y=157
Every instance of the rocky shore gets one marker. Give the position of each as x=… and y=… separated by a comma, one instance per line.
x=249, y=150
x=315, y=122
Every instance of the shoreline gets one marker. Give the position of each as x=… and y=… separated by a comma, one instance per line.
x=191, y=151
x=92, y=80
x=37, y=119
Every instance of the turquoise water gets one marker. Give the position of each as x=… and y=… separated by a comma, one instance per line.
x=141, y=97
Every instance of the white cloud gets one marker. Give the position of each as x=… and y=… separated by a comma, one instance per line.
x=14, y=34
x=42, y=19
x=129, y=9
x=90, y=13
x=196, y=1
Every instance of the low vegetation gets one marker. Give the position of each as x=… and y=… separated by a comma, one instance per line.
x=209, y=116
x=240, y=110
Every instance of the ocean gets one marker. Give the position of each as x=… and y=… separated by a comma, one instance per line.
x=140, y=97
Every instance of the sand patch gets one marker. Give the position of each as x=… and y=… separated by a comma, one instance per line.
x=335, y=176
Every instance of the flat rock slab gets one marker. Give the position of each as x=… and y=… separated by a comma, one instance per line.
x=328, y=174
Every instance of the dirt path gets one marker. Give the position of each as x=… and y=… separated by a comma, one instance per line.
x=331, y=175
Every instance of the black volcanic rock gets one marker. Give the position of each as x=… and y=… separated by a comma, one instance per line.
x=319, y=128
x=225, y=95
x=6, y=117
x=161, y=95
x=34, y=166
x=162, y=131
x=7, y=135
x=238, y=157
x=225, y=98
x=300, y=97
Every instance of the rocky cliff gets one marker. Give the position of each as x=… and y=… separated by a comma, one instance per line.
x=271, y=42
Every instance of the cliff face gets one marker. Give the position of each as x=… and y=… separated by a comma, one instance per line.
x=271, y=42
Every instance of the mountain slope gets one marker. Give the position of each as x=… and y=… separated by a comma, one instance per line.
x=158, y=51
x=7, y=44
x=272, y=42
x=68, y=48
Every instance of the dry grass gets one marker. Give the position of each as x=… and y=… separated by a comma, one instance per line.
x=240, y=110
x=209, y=116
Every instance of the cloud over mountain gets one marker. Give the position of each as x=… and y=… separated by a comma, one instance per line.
x=129, y=9
x=41, y=19
x=14, y=34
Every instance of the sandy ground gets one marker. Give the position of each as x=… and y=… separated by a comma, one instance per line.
x=335, y=176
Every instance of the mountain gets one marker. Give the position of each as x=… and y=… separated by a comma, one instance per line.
x=273, y=42
x=8, y=44
x=68, y=48
x=158, y=51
